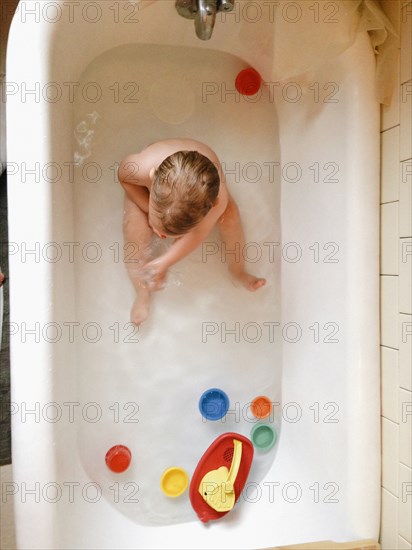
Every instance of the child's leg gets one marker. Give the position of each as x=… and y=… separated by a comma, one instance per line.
x=137, y=237
x=232, y=235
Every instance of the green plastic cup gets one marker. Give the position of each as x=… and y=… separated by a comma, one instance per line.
x=263, y=436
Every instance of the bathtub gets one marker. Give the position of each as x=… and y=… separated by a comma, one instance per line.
x=309, y=340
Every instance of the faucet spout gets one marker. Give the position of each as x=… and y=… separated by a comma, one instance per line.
x=204, y=13
x=205, y=18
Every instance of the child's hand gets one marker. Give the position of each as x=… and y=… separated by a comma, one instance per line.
x=154, y=274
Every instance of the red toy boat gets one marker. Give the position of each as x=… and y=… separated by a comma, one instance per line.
x=220, y=476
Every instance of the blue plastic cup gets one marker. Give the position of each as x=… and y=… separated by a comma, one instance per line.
x=213, y=404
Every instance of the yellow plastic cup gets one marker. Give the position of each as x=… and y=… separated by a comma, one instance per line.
x=174, y=481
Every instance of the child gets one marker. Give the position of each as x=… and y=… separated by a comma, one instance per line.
x=175, y=188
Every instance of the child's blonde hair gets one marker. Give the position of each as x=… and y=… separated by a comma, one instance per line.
x=185, y=187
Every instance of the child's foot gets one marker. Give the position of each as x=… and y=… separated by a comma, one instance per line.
x=140, y=308
x=250, y=282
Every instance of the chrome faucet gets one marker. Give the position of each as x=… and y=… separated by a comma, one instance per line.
x=205, y=18
x=204, y=13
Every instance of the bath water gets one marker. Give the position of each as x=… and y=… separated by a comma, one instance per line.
x=203, y=330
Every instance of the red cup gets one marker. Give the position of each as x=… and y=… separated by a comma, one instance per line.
x=118, y=458
x=248, y=82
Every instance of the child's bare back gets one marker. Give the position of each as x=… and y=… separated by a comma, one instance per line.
x=175, y=188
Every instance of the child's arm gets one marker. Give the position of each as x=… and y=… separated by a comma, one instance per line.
x=186, y=244
x=127, y=174
x=157, y=269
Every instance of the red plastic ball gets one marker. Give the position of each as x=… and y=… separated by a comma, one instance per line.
x=118, y=458
x=248, y=82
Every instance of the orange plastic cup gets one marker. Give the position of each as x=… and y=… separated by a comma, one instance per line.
x=261, y=406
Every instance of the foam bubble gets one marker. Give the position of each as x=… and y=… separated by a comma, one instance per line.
x=84, y=136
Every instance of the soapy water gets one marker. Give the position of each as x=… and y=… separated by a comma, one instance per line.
x=84, y=136
x=154, y=250
x=172, y=279
x=165, y=367
x=147, y=277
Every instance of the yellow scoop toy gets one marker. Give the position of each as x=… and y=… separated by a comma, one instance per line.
x=217, y=486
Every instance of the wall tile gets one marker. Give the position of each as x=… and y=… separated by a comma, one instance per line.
x=389, y=239
x=405, y=503
x=405, y=276
x=405, y=351
x=405, y=199
x=389, y=521
x=390, y=165
x=405, y=427
x=390, y=455
x=389, y=311
x=405, y=121
x=403, y=544
x=390, y=114
x=390, y=383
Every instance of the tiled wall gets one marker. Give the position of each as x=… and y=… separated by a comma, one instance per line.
x=396, y=299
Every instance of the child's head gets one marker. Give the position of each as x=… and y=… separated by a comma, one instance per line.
x=185, y=187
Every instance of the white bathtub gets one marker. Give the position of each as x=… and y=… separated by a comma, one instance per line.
x=322, y=481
